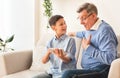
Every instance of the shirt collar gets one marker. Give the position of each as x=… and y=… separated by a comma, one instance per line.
x=61, y=38
x=96, y=25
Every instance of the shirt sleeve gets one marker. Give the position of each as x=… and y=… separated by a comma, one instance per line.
x=71, y=48
x=80, y=34
x=107, y=51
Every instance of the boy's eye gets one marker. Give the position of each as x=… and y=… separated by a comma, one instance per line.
x=61, y=24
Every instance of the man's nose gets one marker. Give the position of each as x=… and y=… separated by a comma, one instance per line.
x=82, y=22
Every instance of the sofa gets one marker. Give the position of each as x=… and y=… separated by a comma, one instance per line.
x=114, y=71
x=27, y=63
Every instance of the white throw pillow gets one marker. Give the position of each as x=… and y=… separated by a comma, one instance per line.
x=38, y=52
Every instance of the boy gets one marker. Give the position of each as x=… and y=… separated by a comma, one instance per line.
x=60, y=50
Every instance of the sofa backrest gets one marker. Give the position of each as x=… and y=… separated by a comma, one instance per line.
x=78, y=54
x=118, y=48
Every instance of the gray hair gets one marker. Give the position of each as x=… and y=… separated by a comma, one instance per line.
x=89, y=7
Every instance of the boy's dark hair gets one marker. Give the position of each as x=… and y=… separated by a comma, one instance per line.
x=54, y=19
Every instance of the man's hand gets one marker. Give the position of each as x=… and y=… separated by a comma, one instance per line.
x=86, y=42
x=72, y=34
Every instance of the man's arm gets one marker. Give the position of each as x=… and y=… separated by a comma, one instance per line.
x=72, y=34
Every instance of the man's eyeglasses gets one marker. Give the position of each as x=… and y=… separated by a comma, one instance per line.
x=82, y=19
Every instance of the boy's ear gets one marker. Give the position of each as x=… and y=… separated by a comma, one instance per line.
x=53, y=27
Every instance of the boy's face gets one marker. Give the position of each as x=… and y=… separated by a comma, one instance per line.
x=60, y=27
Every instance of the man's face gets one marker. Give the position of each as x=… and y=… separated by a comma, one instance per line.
x=60, y=27
x=87, y=19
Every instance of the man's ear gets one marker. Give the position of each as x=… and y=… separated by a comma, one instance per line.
x=94, y=15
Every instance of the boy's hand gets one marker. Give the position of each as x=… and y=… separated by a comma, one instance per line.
x=50, y=50
x=62, y=55
x=59, y=52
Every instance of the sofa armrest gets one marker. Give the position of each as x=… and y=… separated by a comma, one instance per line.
x=118, y=54
x=114, y=71
x=12, y=62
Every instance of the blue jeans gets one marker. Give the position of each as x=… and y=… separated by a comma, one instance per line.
x=97, y=72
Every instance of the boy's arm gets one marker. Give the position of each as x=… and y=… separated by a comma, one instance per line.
x=46, y=56
x=47, y=52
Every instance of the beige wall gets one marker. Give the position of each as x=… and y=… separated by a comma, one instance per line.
x=37, y=21
x=108, y=10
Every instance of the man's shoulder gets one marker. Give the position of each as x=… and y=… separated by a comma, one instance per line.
x=105, y=24
x=104, y=27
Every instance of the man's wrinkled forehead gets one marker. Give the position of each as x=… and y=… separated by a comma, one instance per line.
x=82, y=14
